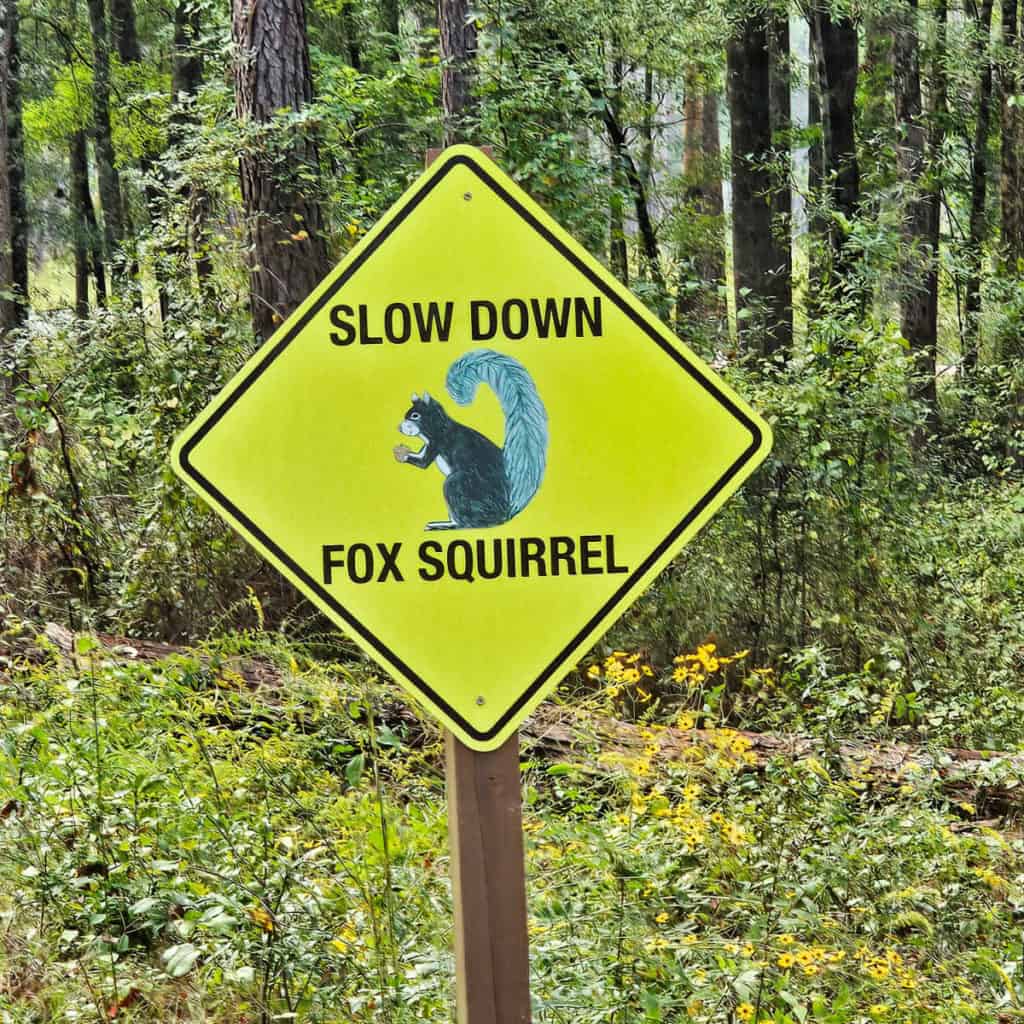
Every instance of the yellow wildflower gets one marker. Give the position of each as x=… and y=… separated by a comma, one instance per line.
x=661, y=918
x=745, y=1012
x=785, y=961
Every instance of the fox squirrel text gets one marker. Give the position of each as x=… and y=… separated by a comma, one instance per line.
x=470, y=560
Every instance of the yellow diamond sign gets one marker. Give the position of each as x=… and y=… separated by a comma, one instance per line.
x=471, y=447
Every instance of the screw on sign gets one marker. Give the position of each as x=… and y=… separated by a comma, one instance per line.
x=423, y=449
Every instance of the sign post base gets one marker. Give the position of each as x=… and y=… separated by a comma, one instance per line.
x=485, y=831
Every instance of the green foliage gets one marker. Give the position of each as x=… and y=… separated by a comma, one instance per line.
x=205, y=838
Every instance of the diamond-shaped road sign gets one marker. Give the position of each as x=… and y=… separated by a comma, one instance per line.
x=471, y=447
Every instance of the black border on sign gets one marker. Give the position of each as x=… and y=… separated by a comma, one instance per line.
x=610, y=293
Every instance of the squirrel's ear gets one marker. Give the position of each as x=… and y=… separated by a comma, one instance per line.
x=426, y=396
x=415, y=397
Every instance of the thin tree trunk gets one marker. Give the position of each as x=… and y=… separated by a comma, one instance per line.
x=80, y=226
x=647, y=131
x=693, y=128
x=759, y=280
x=272, y=73
x=617, y=249
x=712, y=147
x=126, y=43
x=979, y=190
x=16, y=170
x=781, y=199
x=7, y=305
x=917, y=305
x=1012, y=203
x=109, y=180
x=628, y=168
x=457, y=34
x=186, y=81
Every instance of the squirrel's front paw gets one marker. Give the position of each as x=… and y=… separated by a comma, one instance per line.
x=402, y=452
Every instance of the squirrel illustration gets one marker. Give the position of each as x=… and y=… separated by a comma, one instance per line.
x=484, y=485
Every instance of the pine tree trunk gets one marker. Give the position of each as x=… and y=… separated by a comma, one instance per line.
x=186, y=81
x=109, y=180
x=618, y=252
x=761, y=287
x=781, y=198
x=81, y=230
x=272, y=73
x=835, y=45
x=458, y=51
x=979, y=191
x=818, y=224
x=7, y=305
x=917, y=289
x=712, y=148
x=16, y=169
x=1012, y=202
x=123, y=31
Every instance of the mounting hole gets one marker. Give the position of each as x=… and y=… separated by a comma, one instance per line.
x=480, y=700
x=467, y=196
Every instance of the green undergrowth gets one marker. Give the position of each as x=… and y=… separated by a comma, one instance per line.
x=189, y=840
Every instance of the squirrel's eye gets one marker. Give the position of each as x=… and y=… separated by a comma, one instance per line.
x=415, y=416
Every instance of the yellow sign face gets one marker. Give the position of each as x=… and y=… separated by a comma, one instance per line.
x=471, y=447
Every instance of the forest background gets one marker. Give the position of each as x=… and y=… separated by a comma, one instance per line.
x=826, y=201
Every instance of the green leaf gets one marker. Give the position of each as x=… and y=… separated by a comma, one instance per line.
x=85, y=644
x=179, y=960
x=354, y=769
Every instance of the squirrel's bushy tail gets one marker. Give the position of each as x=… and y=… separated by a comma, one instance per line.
x=526, y=421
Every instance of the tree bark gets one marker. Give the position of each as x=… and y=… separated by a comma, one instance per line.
x=80, y=225
x=1012, y=202
x=781, y=199
x=979, y=189
x=457, y=34
x=123, y=31
x=761, y=287
x=16, y=169
x=618, y=253
x=106, y=168
x=634, y=179
x=186, y=81
x=272, y=73
x=7, y=304
x=918, y=288
x=835, y=47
